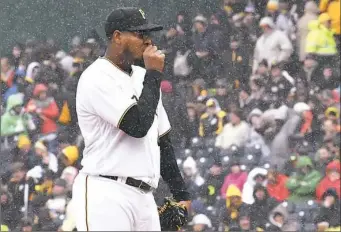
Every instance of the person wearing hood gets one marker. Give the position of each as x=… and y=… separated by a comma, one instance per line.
x=310, y=13
x=262, y=206
x=213, y=120
x=276, y=185
x=279, y=220
x=273, y=45
x=237, y=178
x=303, y=182
x=332, y=7
x=192, y=176
x=254, y=137
x=320, y=40
x=234, y=206
x=201, y=222
x=328, y=219
x=331, y=180
x=67, y=158
x=15, y=120
x=235, y=132
x=256, y=176
x=45, y=108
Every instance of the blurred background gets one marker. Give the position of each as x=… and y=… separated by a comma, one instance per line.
x=251, y=88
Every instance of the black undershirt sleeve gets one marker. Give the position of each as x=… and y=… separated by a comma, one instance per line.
x=170, y=171
x=137, y=121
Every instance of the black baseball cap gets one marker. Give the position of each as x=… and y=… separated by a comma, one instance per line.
x=128, y=19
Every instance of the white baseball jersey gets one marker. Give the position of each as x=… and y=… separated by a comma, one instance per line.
x=104, y=94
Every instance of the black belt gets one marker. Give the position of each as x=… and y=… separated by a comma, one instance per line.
x=132, y=182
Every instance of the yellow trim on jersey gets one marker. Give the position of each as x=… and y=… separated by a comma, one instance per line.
x=124, y=113
x=165, y=133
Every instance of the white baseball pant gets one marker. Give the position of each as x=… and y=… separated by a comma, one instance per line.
x=109, y=205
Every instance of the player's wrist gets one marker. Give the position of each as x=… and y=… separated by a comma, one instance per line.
x=153, y=77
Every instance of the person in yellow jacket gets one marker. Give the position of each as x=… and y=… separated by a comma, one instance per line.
x=320, y=39
x=332, y=7
x=213, y=120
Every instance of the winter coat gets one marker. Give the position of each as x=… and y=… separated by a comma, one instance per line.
x=291, y=225
x=212, y=186
x=326, y=183
x=302, y=186
x=247, y=195
x=278, y=190
x=231, y=214
x=260, y=209
x=49, y=114
x=237, y=179
x=273, y=47
x=233, y=134
x=212, y=126
x=311, y=12
x=320, y=40
x=332, y=7
x=330, y=214
x=12, y=123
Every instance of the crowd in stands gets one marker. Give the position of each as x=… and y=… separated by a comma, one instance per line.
x=252, y=92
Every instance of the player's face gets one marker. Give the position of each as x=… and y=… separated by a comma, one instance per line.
x=136, y=43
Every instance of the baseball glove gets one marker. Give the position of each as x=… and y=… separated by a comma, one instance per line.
x=172, y=215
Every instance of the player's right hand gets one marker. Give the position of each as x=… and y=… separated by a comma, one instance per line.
x=154, y=59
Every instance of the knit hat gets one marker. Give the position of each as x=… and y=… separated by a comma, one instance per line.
x=272, y=5
x=71, y=153
x=166, y=87
x=40, y=145
x=23, y=141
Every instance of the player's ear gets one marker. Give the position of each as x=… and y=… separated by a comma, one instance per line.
x=117, y=37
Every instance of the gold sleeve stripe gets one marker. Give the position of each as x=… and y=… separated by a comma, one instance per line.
x=119, y=122
x=165, y=133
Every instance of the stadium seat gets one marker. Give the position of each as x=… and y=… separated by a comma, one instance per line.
x=309, y=227
x=197, y=143
x=209, y=142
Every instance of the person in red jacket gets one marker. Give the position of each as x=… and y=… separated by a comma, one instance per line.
x=45, y=107
x=331, y=180
x=236, y=177
x=276, y=185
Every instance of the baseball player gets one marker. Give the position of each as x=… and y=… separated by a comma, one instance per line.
x=125, y=129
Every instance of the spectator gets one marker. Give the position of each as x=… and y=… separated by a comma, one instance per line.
x=320, y=40
x=192, y=176
x=47, y=159
x=57, y=204
x=213, y=121
x=193, y=122
x=262, y=206
x=329, y=215
x=67, y=157
x=244, y=223
x=333, y=10
x=236, y=178
x=322, y=158
x=310, y=13
x=273, y=45
x=201, y=222
x=7, y=74
x=279, y=220
x=45, y=109
x=302, y=184
x=223, y=94
x=309, y=72
x=331, y=180
x=69, y=174
x=14, y=120
x=9, y=213
x=256, y=176
x=235, y=132
x=213, y=182
x=234, y=206
x=276, y=185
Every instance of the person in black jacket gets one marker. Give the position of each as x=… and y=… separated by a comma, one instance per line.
x=329, y=215
x=262, y=206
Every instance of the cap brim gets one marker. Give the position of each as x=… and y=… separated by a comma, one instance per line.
x=147, y=27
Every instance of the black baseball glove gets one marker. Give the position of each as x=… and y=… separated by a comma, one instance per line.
x=172, y=215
